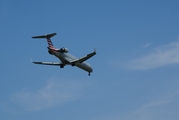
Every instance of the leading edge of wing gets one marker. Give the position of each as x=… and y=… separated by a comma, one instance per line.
x=48, y=63
x=80, y=60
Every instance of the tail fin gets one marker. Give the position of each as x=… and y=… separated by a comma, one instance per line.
x=48, y=36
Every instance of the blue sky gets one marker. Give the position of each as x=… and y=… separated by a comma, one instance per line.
x=135, y=70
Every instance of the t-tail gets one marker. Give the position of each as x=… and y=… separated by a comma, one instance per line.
x=48, y=36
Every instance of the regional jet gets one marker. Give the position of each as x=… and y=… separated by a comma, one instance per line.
x=64, y=57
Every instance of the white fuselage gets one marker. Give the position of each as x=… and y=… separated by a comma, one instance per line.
x=66, y=57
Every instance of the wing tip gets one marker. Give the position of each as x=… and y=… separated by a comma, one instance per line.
x=94, y=50
x=31, y=60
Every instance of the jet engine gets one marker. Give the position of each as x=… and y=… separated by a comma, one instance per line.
x=63, y=49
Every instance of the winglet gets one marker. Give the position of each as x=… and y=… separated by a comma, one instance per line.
x=94, y=50
x=31, y=60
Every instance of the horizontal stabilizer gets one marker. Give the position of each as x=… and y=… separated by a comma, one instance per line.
x=48, y=36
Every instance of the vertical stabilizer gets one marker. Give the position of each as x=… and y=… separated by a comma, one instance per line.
x=48, y=36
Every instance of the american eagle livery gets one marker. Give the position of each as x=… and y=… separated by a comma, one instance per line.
x=64, y=57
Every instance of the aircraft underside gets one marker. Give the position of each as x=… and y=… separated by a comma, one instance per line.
x=64, y=57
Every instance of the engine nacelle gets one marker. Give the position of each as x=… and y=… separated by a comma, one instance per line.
x=63, y=49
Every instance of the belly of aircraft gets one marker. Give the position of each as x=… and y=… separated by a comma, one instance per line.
x=84, y=66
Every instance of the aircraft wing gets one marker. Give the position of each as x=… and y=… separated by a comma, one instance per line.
x=48, y=63
x=80, y=60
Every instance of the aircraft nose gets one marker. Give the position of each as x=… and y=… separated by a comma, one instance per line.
x=90, y=68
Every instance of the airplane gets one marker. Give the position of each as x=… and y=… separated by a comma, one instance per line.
x=64, y=57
